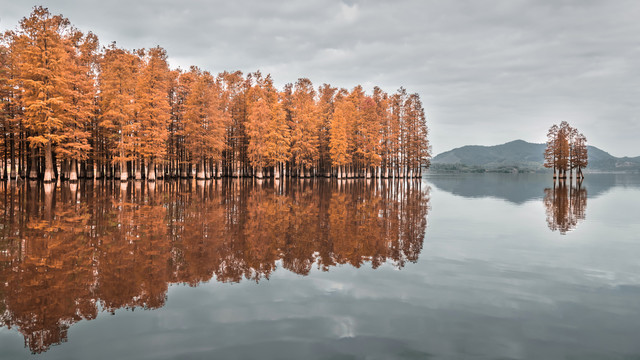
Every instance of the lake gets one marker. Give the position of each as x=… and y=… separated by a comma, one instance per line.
x=488, y=266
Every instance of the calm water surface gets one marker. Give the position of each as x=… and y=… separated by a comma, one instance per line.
x=465, y=266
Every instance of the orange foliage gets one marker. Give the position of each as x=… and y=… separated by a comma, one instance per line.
x=114, y=111
x=67, y=251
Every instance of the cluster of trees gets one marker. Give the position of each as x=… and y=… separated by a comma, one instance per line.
x=77, y=249
x=72, y=109
x=566, y=150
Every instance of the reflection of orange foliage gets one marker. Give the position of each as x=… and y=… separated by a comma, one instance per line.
x=47, y=282
x=565, y=206
x=64, y=251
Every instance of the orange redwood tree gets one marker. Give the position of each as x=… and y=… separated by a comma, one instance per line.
x=43, y=76
x=117, y=79
x=153, y=110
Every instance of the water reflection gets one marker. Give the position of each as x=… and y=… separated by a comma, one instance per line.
x=68, y=252
x=565, y=206
x=521, y=188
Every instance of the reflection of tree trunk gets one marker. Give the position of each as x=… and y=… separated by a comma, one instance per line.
x=137, y=188
x=73, y=188
x=49, y=189
x=123, y=189
x=152, y=190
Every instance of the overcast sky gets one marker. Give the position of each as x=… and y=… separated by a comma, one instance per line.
x=488, y=72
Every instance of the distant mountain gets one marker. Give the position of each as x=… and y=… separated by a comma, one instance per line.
x=522, y=155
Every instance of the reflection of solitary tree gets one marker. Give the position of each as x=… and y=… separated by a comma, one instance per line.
x=565, y=206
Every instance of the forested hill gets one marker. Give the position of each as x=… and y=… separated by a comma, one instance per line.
x=523, y=156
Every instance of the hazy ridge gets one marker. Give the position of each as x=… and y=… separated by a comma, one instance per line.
x=521, y=156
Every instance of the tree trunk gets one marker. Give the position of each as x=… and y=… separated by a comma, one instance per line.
x=88, y=169
x=4, y=174
x=33, y=172
x=124, y=174
x=13, y=174
x=276, y=171
x=151, y=176
x=138, y=169
x=97, y=170
x=48, y=170
x=200, y=174
x=81, y=170
x=73, y=174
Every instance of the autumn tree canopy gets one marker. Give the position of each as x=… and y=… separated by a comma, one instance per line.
x=72, y=109
x=566, y=150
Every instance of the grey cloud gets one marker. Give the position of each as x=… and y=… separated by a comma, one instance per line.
x=488, y=72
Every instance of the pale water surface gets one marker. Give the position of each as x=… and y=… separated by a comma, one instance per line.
x=453, y=267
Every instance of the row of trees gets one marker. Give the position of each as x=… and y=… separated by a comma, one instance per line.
x=566, y=150
x=73, y=109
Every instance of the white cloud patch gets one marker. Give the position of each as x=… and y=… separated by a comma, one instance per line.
x=348, y=13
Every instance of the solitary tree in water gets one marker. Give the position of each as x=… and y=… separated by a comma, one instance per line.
x=566, y=150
